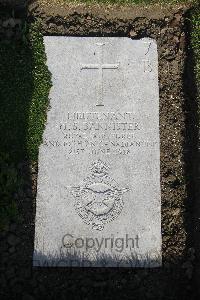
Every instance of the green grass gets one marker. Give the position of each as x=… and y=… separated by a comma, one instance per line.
x=41, y=80
x=24, y=90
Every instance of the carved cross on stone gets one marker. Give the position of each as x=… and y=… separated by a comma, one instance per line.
x=100, y=66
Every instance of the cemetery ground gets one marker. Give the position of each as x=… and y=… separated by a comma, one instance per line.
x=24, y=88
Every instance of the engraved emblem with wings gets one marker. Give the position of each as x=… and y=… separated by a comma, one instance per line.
x=99, y=198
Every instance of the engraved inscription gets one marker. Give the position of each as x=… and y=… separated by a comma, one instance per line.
x=100, y=66
x=147, y=65
x=148, y=47
x=99, y=197
x=96, y=133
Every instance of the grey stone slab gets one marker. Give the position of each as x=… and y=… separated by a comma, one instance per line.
x=98, y=195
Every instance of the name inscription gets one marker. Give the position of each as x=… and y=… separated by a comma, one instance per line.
x=100, y=132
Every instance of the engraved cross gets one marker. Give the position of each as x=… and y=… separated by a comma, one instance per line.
x=101, y=67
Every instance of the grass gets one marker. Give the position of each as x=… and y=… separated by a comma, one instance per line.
x=24, y=89
x=41, y=80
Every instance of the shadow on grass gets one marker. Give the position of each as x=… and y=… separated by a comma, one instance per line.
x=24, y=88
x=69, y=257
x=191, y=146
x=16, y=89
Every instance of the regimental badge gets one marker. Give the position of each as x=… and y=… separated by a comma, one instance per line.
x=99, y=197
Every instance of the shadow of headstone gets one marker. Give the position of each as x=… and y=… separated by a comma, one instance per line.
x=18, y=166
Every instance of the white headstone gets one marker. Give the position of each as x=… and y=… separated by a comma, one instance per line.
x=98, y=195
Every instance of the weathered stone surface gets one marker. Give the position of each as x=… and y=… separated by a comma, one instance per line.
x=98, y=199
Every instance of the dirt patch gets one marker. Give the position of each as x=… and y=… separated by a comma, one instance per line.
x=173, y=281
x=125, y=12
